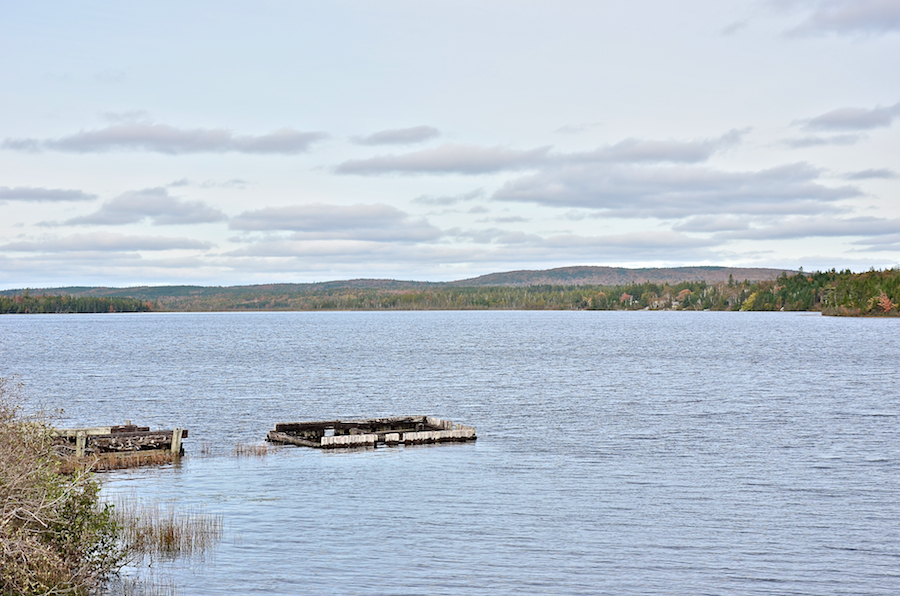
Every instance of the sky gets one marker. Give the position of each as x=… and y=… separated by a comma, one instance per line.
x=228, y=143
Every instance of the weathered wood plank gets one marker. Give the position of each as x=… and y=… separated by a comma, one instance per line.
x=371, y=431
x=127, y=438
x=176, y=441
x=276, y=437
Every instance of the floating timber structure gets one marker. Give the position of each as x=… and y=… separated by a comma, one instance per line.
x=125, y=439
x=370, y=432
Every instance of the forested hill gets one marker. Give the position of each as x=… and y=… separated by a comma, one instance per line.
x=617, y=276
x=563, y=276
x=873, y=293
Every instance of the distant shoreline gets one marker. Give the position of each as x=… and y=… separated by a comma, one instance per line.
x=872, y=293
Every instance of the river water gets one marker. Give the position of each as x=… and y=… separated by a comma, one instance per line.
x=618, y=452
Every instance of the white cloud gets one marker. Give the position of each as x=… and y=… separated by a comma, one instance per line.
x=447, y=159
x=34, y=194
x=817, y=226
x=162, y=138
x=818, y=141
x=712, y=223
x=104, y=242
x=572, y=129
x=400, y=136
x=492, y=246
x=446, y=200
x=733, y=28
x=474, y=159
x=678, y=191
x=110, y=76
x=874, y=173
x=233, y=183
x=651, y=151
x=154, y=204
x=492, y=235
x=375, y=222
x=887, y=242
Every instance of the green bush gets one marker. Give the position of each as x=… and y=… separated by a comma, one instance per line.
x=55, y=535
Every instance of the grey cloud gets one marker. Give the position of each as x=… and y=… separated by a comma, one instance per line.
x=28, y=145
x=161, y=138
x=42, y=195
x=447, y=159
x=104, y=242
x=815, y=141
x=473, y=159
x=446, y=200
x=400, y=136
x=850, y=17
x=320, y=221
x=678, y=191
x=854, y=119
x=150, y=203
x=808, y=227
x=882, y=173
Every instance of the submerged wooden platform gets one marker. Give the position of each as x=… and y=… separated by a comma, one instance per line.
x=124, y=439
x=370, y=432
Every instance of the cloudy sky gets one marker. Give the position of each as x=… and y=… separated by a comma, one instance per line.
x=251, y=142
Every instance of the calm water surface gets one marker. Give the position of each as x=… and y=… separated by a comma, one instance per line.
x=618, y=453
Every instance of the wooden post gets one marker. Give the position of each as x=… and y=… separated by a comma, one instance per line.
x=176, y=441
x=80, y=441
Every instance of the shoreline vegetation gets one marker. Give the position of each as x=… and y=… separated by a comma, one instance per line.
x=57, y=534
x=871, y=293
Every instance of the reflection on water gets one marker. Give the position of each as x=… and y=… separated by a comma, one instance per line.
x=618, y=453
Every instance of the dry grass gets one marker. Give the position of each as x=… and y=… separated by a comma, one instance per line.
x=247, y=450
x=153, y=531
x=115, y=461
x=149, y=584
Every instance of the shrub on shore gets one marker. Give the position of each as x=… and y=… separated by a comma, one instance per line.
x=55, y=535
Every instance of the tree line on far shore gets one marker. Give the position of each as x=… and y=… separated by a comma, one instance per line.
x=872, y=293
x=28, y=304
x=835, y=293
